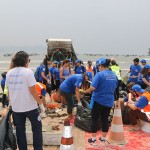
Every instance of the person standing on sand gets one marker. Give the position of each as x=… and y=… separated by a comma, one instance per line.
x=24, y=99
x=103, y=87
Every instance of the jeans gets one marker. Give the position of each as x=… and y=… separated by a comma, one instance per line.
x=20, y=120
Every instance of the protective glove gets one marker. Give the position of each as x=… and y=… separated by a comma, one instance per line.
x=42, y=108
x=79, y=104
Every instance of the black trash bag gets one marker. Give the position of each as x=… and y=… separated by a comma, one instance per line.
x=83, y=119
x=7, y=138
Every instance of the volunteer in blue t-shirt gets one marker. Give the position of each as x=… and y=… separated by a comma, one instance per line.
x=79, y=69
x=96, y=68
x=103, y=86
x=69, y=87
x=140, y=108
x=135, y=70
x=56, y=77
x=51, y=71
x=144, y=78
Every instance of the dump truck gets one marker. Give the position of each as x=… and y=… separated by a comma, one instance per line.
x=65, y=47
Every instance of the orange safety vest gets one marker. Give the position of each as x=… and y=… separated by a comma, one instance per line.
x=39, y=86
x=146, y=109
x=89, y=69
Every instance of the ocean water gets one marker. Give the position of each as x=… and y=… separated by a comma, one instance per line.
x=123, y=61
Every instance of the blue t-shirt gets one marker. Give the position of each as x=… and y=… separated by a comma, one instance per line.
x=56, y=73
x=51, y=70
x=135, y=70
x=140, y=81
x=3, y=81
x=79, y=69
x=69, y=85
x=142, y=102
x=42, y=69
x=105, y=84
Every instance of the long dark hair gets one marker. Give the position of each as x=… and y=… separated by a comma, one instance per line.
x=144, y=71
x=85, y=84
x=46, y=65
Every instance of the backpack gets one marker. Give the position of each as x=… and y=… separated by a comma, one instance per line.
x=37, y=74
x=82, y=69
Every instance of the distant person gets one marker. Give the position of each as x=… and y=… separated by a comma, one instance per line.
x=143, y=62
x=144, y=78
x=96, y=68
x=56, y=76
x=116, y=69
x=135, y=70
x=79, y=68
x=24, y=99
x=4, y=89
x=89, y=69
x=65, y=70
x=57, y=55
x=51, y=72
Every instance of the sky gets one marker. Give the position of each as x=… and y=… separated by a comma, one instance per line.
x=95, y=26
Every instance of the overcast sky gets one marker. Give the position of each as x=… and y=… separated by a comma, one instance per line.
x=95, y=26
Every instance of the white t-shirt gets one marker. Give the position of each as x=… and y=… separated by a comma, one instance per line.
x=18, y=81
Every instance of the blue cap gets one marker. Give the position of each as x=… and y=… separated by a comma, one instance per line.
x=78, y=61
x=147, y=66
x=55, y=62
x=143, y=61
x=101, y=61
x=137, y=88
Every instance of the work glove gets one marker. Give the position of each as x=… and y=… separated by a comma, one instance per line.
x=42, y=108
x=79, y=104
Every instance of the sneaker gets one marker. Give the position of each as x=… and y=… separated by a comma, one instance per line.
x=102, y=140
x=90, y=141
